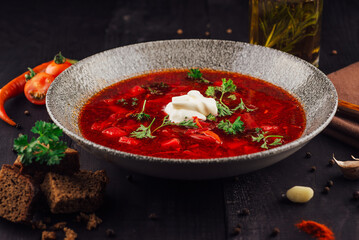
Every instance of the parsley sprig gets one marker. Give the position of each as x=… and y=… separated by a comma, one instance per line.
x=195, y=74
x=46, y=149
x=142, y=115
x=231, y=128
x=227, y=87
x=143, y=132
x=262, y=136
x=242, y=106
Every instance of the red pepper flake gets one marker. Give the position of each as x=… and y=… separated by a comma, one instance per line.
x=317, y=230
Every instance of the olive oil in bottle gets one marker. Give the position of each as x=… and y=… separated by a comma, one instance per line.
x=291, y=26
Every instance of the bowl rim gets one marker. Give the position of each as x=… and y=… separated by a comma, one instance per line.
x=302, y=140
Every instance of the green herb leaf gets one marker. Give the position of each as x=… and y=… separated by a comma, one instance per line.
x=231, y=128
x=223, y=110
x=188, y=123
x=142, y=116
x=196, y=74
x=262, y=136
x=134, y=101
x=242, y=106
x=211, y=117
x=227, y=86
x=211, y=91
x=122, y=101
x=232, y=96
x=143, y=132
x=46, y=149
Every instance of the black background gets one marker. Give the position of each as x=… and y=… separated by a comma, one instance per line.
x=32, y=32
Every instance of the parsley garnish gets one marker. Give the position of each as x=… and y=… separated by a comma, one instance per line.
x=157, y=88
x=45, y=149
x=231, y=128
x=223, y=109
x=165, y=122
x=122, y=100
x=211, y=91
x=211, y=117
x=134, y=101
x=242, y=106
x=143, y=132
x=195, y=74
x=142, y=116
x=187, y=123
x=261, y=136
x=232, y=96
x=226, y=87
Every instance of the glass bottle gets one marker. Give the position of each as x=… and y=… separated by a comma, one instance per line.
x=291, y=26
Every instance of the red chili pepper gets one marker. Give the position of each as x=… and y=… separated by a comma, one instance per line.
x=14, y=88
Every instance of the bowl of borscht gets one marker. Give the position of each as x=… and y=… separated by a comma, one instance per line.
x=192, y=109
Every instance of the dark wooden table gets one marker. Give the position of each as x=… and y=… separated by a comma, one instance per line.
x=32, y=32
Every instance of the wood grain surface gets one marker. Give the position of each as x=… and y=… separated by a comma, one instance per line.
x=32, y=32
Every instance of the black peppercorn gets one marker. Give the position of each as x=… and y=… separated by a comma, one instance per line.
x=26, y=112
x=330, y=183
x=275, y=232
x=326, y=190
x=313, y=168
x=308, y=155
x=110, y=232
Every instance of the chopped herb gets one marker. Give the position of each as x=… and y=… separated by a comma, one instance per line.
x=47, y=148
x=188, y=123
x=232, y=96
x=223, y=110
x=165, y=122
x=231, y=128
x=226, y=87
x=196, y=74
x=143, y=132
x=157, y=88
x=242, y=106
x=134, y=101
x=211, y=91
x=122, y=100
x=261, y=136
x=211, y=117
x=142, y=116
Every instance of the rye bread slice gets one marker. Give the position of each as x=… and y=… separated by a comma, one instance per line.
x=81, y=192
x=68, y=166
x=18, y=193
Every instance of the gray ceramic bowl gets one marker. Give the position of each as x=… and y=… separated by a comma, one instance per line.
x=77, y=84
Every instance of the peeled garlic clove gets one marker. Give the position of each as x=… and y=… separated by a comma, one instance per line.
x=300, y=194
x=350, y=169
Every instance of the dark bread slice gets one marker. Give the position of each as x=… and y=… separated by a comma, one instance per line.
x=68, y=166
x=17, y=194
x=83, y=191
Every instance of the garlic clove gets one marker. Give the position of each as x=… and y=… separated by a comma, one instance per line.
x=350, y=169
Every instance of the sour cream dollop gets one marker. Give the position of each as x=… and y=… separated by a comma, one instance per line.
x=193, y=104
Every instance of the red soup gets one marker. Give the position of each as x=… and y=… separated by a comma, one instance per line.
x=252, y=116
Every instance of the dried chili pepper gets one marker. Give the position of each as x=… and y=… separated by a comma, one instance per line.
x=317, y=230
